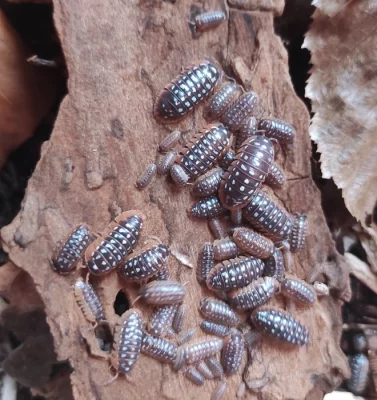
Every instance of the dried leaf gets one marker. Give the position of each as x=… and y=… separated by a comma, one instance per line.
x=361, y=271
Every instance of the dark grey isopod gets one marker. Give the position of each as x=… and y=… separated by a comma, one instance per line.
x=224, y=249
x=232, y=353
x=216, y=227
x=88, y=301
x=277, y=129
x=202, y=349
x=162, y=319
x=162, y=274
x=247, y=130
x=275, y=177
x=158, y=348
x=169, y=141
x=274, y=265
x=205, y=262
x=226, y=160
x=147, y=177
x=214, y=329
x=162, y=292
x=179, y=318
x=69, y=254
x=218, y=311
x=193, y=375
x=359, y=365
x=253, y=243
x=166, y=162
x=298, y=233
x=299, y=291
x=206, y=208
x=208, y=184
x=209, y=20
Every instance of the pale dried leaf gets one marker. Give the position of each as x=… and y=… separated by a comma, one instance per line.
x=361, y=271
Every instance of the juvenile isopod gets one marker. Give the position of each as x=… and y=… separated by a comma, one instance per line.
x=298, y=233
x=359, y=343
x=161, y=320
x=216, y=227
x=169, y=142
x=188, y=89
x=218, y=311
x=224, y=249
x=204, y=370
x=219, y=391
x=88, y=301
x=275, y=265
x=232, y=352
x=234, y=273
x=280, y=325
x=202, y=349
x=275, y=177
x=144, y=264
x=247, y=130
x=247, y=172
x=162, y=274
x=178, y=175
x=146, y=177
x=216, y=368
x=277, y=129
x=268, y=218
x=166, y=162
x=214, y=329
x=208, y=184
x=162, y=292
x=209, y=20
x=359, y=365
x=159, y=348
x=185, y=336
x=179, y=318
x=111, y=248
x=253, y=243
x=226, y=160
x=69, y=254
x=193, y=375
x=221, y=101
x=207, y=208
x=298, y=290
x=205, y=262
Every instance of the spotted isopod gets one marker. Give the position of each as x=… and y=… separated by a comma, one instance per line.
x=169, y=142
x=275, y=265
x=209, y=20
x=205, y=262
x=298, y=233
x=162, y=274
x=159, y=348
x=216, y=368
x=162, y=319
x=234, y=273
x=146, y=177
x=202, y=349
x=359, y=365
x=69, y=254
x=216, y=227
x=280, y=325
x=194, y=376
x=253, y=243
x=214, y=329
x=218, y=311
x=247, y=172
x=110, y=249
x=179, y=318
x=360, y=343
x=144, y=264
x=298, y=290
x=221, y=101
x=88, y=301
x=204, y=370
x=166, y=162
x=206, y=208
x=232, y=352
x=275, y=177
x=226, y=160
x=277, y=129
x=224, y=249
x=162, y=292
x=209, y=183
x=267, y=217
x=247, y=130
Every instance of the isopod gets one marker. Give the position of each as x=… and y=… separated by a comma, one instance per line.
x=224, y=249
x=188, y=89
x=178, y=175
x=226, y=160
x=147, y=176
x=359, y=365
x=110, y=249
x=166, y=162
x=235, y=273
x=277, y=129
x=162, y=292
x=216, y=368
x=169, y=142
x=216, y=227
x=359, y=343
x=219, y=391
x=218, y=311
x=88, y=301
x=185, y=336
x=209, y=20
x=209, y=183
x=298, y=233
x=202, y=349
x=162, y=274
x=221, y=101
x=205, y=262
x=69, y=254
x=158, y=348
x=253, y=243
x=204, y=370
x=267, y=217
x=275, y=177
x=179, y=318
x=298, y=290
x=253, y=295
x=232, y=353
x=162, y=319
x=207, y=208
x=245, y=106
x=321, y=289
x=280, y=325
x=193, y=375
x=145, y=264
x=247, y=130
x=214, y=329
x=236, y=217
x=274, y=265
x=247, y=172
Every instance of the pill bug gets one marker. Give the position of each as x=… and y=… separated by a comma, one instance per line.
x=178, y=175
x=207, y=208
x=185, y=336
x=358, y=381
x=277, y=129
x=359, y=343
x=128, y=335
x=205, y=262
x=194, y=376
x=274, y=265
x=218, y=311
x=161, y=319
x=188, y=89
x=179, y=318
x=226, y=160
x=280, y=325
x=146, y=177
x=219, y=391
x=224, y=249
x=88, y=301
x=298, y=290
x=275, y=177
x=216, y=227
x=253, y=243
x=208, y=184
x=247, y=172
x=109, y=250
x=203, y=150
x=158, y=348
x=240, y=110
x=204, y=370
x=236, y=217
x=234, y=273
x=247, y=130
x=232, y=352
x=298, y=233
x=144, y=264
x=162, y=292
x=209, y=20
x=253, y=295
x=216, y=368
x=166, y=162
x=267, y=217
x=214, y=329
x=202, y=349
x=169, y=142
x=162, y=274
x=72, y=250
x=221, y=101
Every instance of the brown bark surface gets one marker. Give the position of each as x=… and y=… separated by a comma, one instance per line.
x=119, y=55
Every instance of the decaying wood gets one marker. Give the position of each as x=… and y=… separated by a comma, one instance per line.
x=119, y=56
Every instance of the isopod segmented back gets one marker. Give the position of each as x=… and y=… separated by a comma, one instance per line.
x=206, y=208
x=202, y=349
x=162, y=292
x=88, y=301
x=209, y=20
x=275, y=265
x=298, y=233
x=209, y=183
x=253, y=243
x=159, y=348
x=232, y=352
x=161, y=320
x=218, y=311
x=205, y=262
x=277, y=129
x=298, y=290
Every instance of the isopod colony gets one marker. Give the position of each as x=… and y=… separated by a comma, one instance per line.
x=226, y=165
